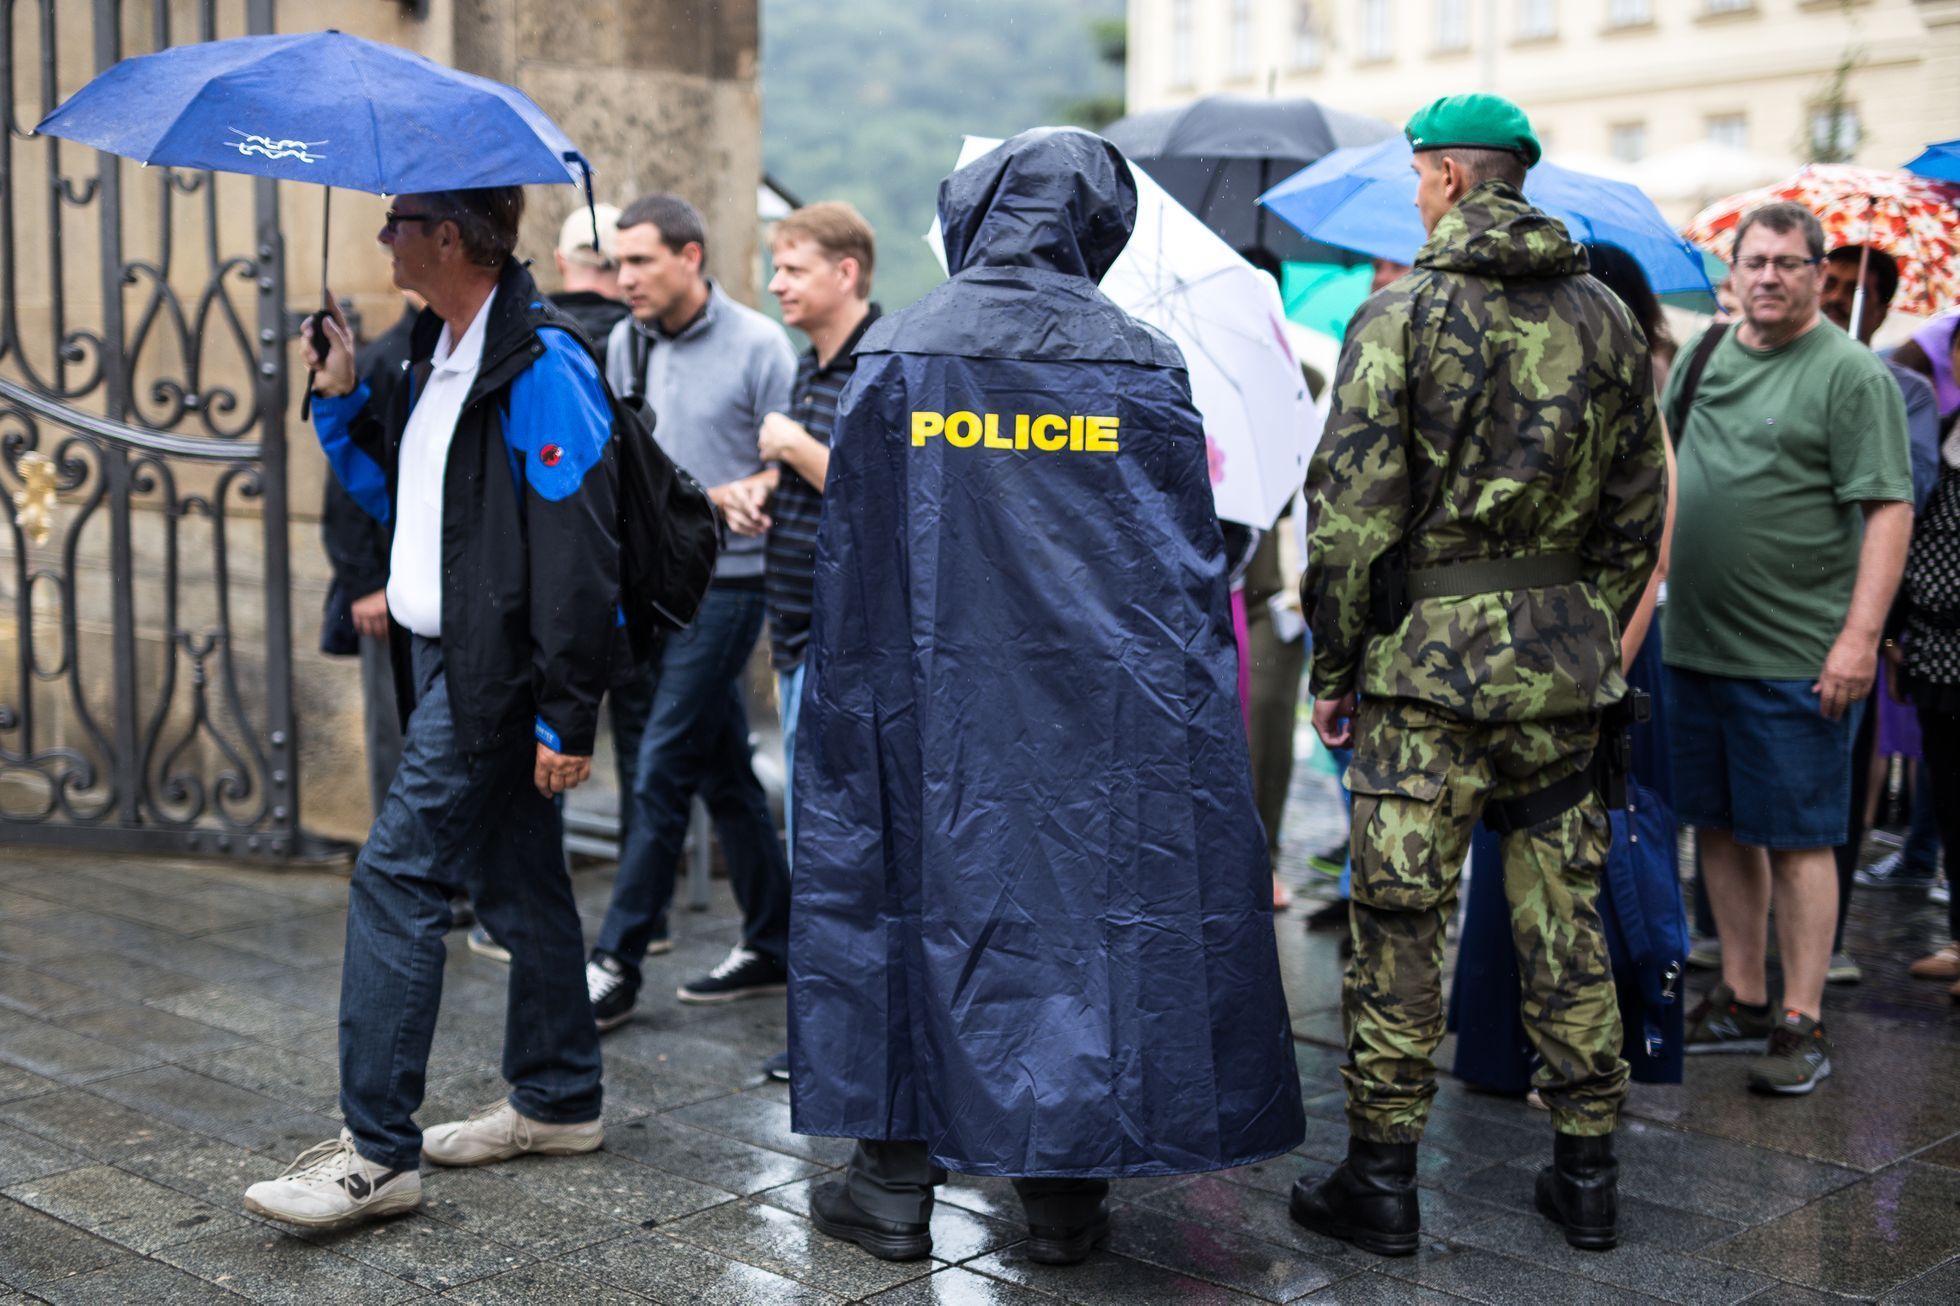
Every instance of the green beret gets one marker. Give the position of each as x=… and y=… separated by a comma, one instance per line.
x=1484, y=122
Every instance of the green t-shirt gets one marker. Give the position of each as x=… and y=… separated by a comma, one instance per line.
x=1781, y=450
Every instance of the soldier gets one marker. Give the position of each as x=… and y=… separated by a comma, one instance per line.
x=1486, y=505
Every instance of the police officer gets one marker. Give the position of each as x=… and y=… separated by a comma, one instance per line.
x=1485, y=507
x=1032, y=933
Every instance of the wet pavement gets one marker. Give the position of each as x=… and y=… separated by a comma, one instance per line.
x=167, y=1037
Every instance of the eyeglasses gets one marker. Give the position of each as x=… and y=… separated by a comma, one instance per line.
x=393, y=219
x=1785, y=263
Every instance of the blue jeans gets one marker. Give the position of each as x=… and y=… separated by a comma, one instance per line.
x=695, y=736
x=474, y=821
x=789, y=695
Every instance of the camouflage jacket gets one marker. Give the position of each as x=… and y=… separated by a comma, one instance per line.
x=1496, y=401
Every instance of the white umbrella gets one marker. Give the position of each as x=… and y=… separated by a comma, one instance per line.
x=1227, y=317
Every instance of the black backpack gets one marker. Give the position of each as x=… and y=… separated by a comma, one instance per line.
x=669, y=530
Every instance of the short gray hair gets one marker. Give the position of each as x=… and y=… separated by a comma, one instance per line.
x=1781, y=217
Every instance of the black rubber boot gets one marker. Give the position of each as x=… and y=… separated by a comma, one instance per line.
x=1369, y=1200
x=1580, y=1190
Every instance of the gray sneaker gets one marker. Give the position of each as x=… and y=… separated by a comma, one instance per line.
x=1798, y=1060
x=497, y=1132
x=1891, y=872
x=1719, y=1024
x=1843, y=970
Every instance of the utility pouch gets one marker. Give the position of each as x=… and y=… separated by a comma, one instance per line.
x=1388, y=591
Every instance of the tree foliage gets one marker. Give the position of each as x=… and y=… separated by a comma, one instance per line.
x=867, y=102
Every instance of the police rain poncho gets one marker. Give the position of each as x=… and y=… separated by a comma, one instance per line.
x=1031, y=920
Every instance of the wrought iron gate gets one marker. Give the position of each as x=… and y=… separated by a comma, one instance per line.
x=146, y=701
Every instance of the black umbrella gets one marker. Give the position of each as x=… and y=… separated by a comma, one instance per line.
x=1218, y=155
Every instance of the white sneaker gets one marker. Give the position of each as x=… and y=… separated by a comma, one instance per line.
x=331, y=1184
x=497, y=1132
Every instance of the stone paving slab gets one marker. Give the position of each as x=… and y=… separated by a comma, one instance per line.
x=154, y=1061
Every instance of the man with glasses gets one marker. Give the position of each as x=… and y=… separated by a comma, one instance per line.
x=1795, y=509
x=492, y=468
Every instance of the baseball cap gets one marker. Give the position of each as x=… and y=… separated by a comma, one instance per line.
x=575, y=237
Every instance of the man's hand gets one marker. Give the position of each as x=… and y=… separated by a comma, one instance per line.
x=781, y=438
x=371, y=614
x=557, y=772
x=333, y=376
x=1849, y=670
x=1333, y=720
x=742, y=502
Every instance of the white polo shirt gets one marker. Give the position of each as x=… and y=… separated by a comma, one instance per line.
x=415, y=563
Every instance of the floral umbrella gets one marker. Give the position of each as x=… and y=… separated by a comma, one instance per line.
x=1914, y=219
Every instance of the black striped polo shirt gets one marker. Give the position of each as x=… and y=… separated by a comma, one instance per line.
x=797, y=506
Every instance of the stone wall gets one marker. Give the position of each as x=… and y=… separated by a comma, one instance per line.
x=661, y=95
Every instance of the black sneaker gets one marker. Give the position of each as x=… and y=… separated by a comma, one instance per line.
x=1720, y=1024
x=1331, y=916
x=1798, y=1059
x=742, y=974
x=612, y=990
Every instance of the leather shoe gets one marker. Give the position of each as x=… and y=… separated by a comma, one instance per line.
x=1580, y=1190
x=834, y=1213
x=1054, y=1244
x=1369, y=1200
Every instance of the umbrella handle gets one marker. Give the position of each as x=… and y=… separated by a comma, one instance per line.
x=592, y=209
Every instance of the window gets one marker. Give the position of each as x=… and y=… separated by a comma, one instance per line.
x=1377, y=37
x=1629, y=13
x=1537, y=19
x=1627, y=141
x=1452, y=24
x=1834, y=133
x=1727, y=6
x=1181, y=60
x=1308, y=49
x=1730, y=129
x=1241, y=38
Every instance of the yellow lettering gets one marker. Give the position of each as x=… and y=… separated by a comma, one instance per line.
x=1101, y=437
x=1045, y=423
x=924, y=426
x=994, y=439
x=1075, y=434
x=963, y=429
x=1020, y=430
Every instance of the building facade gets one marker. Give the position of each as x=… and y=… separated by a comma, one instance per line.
x=1767, y=84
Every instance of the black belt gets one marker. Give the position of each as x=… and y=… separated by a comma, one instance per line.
x=1503, y=815
x=1454, y=580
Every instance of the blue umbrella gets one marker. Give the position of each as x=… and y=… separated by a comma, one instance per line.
x=1941, y=162
x=1363, y=198
x=322, y=107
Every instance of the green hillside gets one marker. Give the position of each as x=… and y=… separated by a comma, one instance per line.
x=867, y=101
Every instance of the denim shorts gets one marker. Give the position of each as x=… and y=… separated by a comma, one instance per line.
x=1756, y=758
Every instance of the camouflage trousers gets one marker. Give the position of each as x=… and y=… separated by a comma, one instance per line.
x=1420, y=779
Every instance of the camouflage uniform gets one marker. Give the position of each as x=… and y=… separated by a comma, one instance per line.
x=1496, y=402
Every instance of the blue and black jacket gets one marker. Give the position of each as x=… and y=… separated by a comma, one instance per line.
x=530, y=542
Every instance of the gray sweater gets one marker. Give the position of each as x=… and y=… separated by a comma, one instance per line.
x=709, y=388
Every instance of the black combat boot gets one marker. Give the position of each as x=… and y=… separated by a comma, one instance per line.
x=1370, y=1200
x=1580, y=1190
